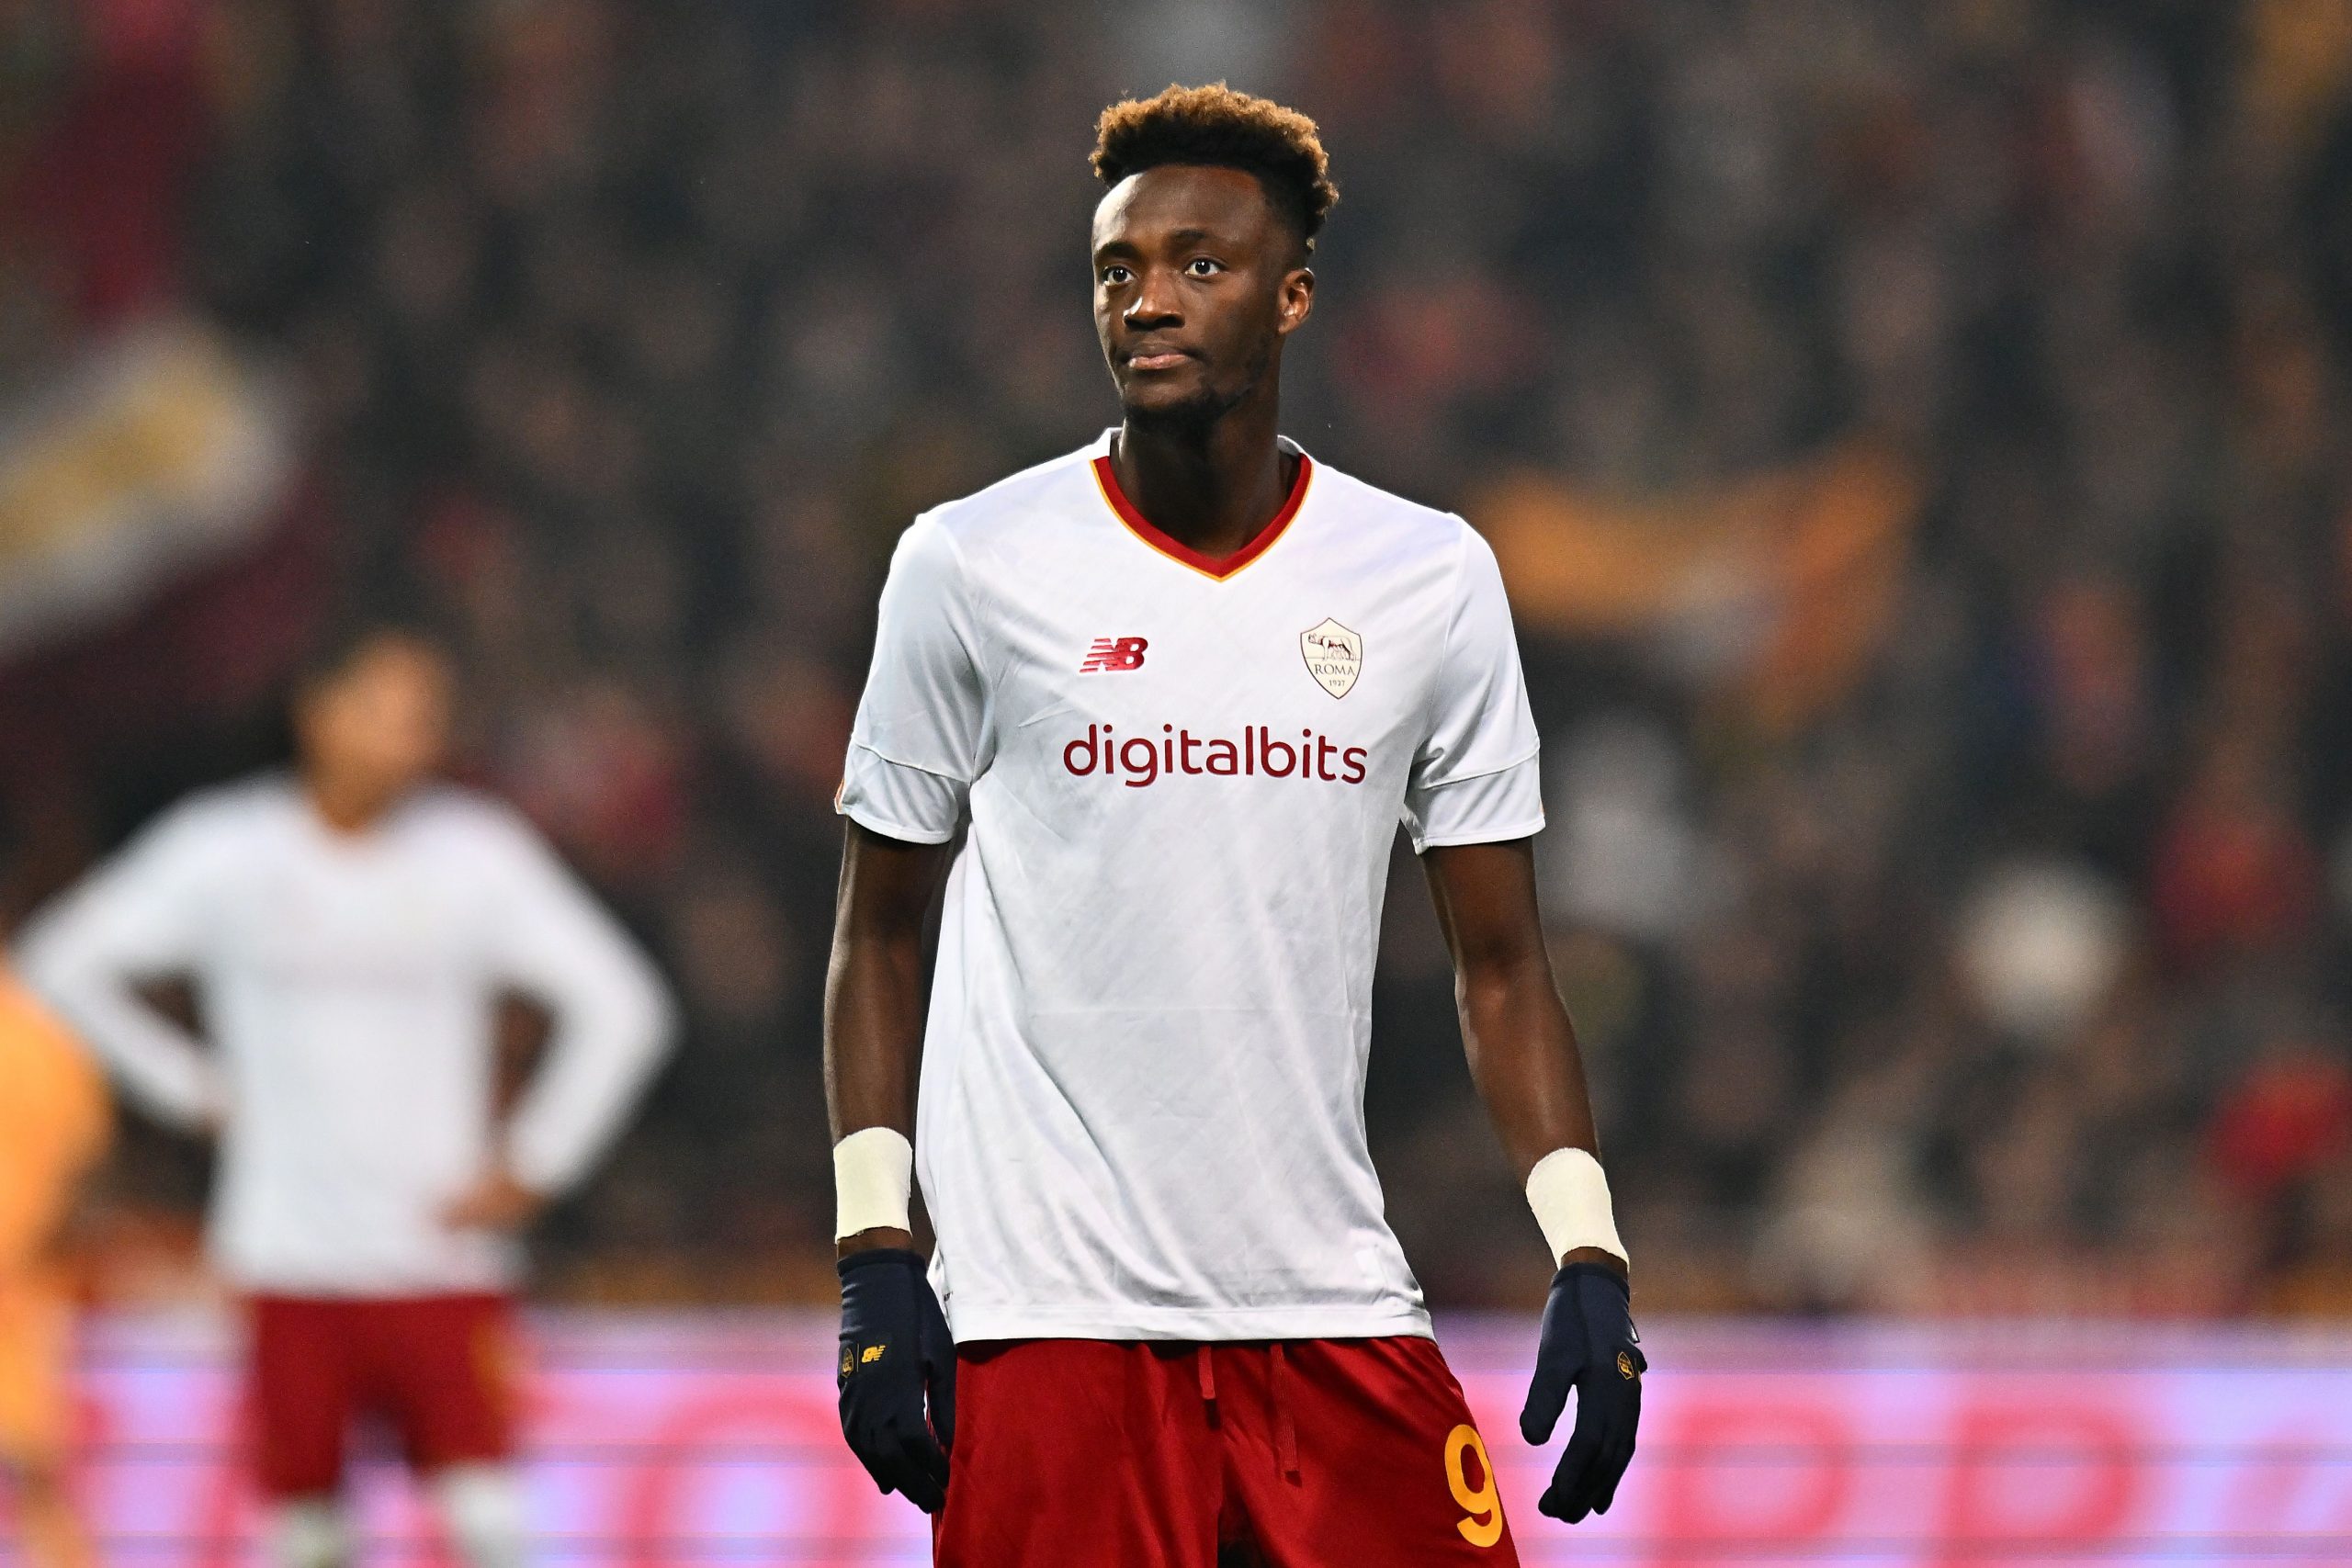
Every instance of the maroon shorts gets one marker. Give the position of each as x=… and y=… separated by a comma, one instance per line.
x=1079, y=1454
x=438, y=1370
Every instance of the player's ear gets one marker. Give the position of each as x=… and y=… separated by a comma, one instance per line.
x=1294, y=299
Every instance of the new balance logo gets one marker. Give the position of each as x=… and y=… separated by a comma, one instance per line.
x=1113, y=653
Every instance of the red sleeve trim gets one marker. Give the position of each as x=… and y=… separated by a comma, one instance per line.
x=1183, y=553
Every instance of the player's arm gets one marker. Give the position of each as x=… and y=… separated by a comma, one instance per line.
x=918, y=743
x=138, y=919
x=1524, y=1059
x=897, y=1363
x=612, y=1024
x=874, y=1012
x=1522, y=1049
x=1473, y=803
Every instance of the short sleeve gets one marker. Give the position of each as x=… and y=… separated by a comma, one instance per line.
x=919, y=739
x=1474, y=777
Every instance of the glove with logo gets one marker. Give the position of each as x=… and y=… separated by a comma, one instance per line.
x=1588, y=1345
x=895, y=1350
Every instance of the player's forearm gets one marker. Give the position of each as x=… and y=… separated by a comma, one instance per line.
x=873, y=1042
x=874, y=999
x=1522, y=1049
x=1524, y=1059
x=873, y=1032
x=614, y=1028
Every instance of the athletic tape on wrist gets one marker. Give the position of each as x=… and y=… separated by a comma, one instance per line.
x=873, y=1177
x=1570, y=1197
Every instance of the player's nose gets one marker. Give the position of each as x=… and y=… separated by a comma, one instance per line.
x=1155, y=303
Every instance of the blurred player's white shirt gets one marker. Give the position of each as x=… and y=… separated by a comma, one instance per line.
x=348, y=984
x=1142, y=1097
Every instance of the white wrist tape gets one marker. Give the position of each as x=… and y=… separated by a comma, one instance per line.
x=874, y=1175
x=1570, y=1197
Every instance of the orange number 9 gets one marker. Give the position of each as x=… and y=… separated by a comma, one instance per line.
x=1485, y=1525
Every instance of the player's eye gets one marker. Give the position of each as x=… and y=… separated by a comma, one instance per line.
x=1202, y=266
x=1114, y=274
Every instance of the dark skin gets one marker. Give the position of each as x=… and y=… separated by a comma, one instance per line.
x=873, y=993
x=1199, y=279
x=1198, y=283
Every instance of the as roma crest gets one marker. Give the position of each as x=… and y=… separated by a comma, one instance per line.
x=1334, y=657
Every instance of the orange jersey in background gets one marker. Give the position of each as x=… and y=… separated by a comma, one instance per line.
x=54, y=1119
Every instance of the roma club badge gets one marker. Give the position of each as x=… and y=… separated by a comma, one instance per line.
x=1334, y=656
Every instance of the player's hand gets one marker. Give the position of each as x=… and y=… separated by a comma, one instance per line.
x=895, y=1351
x=495, y=1202
x=1588, y=1345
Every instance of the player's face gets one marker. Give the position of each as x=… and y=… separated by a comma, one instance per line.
x=1197, y=280
x=380, y=726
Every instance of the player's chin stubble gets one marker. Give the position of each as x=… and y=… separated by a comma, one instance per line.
x=1195, y=414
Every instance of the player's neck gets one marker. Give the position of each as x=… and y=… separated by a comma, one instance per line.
x=1213, y=487
x=347, y=807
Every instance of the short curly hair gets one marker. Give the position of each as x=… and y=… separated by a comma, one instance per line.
x=1224, y=129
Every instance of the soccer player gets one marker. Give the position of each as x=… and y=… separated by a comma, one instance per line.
x=53, y=1124
x=1179, y=688
x=349, y=929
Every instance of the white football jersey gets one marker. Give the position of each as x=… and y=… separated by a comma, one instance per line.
x=348, y=982
x=1142, y=1092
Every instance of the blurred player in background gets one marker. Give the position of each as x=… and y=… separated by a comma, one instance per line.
x=53, y=1124
x=349, y=931
x=1182, y=685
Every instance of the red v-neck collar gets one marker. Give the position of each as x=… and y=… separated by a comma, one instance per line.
x=1176, y=549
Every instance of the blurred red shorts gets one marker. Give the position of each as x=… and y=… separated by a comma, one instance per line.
x=1093, y=1453
x=438, y=1370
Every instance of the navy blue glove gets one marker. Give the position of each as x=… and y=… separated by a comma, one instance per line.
x=1588, y=1345
x=896, y=1350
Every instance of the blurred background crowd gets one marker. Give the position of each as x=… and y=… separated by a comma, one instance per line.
x=1915, y=436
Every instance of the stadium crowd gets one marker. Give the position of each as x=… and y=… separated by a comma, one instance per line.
x=2002, y=969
